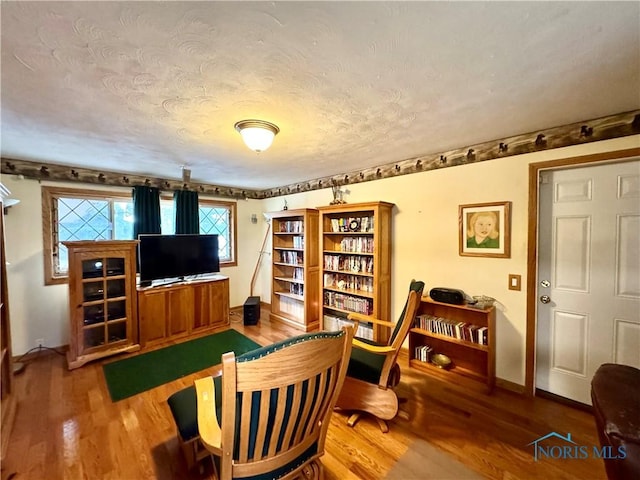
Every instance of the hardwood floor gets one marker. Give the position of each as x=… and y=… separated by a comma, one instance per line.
x=67, y=428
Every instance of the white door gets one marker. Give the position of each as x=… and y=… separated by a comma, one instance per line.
x=588, y=275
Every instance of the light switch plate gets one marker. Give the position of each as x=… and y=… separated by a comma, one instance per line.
x=514, y=281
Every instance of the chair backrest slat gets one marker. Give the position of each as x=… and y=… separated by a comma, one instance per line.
x=295, y=409
x=326, y=386
x=263, y=422
x=275, y=444
x=309, y=398
x=245, y=427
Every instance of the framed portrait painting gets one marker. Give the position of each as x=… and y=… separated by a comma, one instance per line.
x=485, y=230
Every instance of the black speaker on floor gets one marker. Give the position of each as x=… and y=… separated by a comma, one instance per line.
x=251, y=310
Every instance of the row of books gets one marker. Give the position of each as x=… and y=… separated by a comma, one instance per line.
x=423, y=353
x=298, y=273
x=298, y=242
x=357, y=245
x=296, y=288
x=292, y=307
x=348, y=302
x=292, y=258
x=348, y=263
x=351, y=282
x=292, y=226
x=352, y=224
x=331, y=322
x=451, y=328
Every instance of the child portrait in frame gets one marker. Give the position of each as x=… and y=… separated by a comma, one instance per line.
x=485, y=230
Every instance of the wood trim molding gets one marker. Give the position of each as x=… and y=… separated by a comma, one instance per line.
x=532, y=243
x=604, y=128
x=510, y=386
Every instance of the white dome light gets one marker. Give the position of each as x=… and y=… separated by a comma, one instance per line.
x=257, y=134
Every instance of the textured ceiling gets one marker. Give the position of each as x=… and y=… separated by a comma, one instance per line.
x=147, y=87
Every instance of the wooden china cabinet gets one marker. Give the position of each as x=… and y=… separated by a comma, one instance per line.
x=103, y=308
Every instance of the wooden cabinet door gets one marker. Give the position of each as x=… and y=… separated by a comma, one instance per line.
x=211, y=303
x=153, y=312
x=179, y=311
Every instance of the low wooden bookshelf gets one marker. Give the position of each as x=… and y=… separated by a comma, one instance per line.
x=456, y=331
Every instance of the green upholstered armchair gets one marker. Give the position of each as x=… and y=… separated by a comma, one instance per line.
x=373, y=370
x=268, y=417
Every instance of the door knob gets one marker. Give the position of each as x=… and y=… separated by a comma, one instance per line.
x=545, y=298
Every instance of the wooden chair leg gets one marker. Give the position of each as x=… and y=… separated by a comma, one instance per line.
x=312, y=471
x=353, y=419
x=383, y=425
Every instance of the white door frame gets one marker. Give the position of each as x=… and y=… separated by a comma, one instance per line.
x=532, y=244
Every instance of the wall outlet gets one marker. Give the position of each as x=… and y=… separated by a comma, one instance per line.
x=39, y=342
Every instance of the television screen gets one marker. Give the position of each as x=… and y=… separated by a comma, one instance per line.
x=170, y=256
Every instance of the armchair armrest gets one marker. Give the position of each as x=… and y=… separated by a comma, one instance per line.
x=358, y=317
x=208, y=425
x=379, y=349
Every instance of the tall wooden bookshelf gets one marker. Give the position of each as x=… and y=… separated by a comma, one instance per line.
x=295, y=273
x=356, y=264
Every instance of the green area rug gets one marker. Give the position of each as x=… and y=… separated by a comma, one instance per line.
x=134, y=375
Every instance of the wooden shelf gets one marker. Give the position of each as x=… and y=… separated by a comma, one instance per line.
x=349, y=272
x=298, y=310
x=469, y=359
x=289, y=279
x=447, y=338
x=340, y=252
x=291, y=295
x=351, y=291
x=345, y=311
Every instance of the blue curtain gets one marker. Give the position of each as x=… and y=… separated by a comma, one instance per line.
x=187, y=211
x=146, y=210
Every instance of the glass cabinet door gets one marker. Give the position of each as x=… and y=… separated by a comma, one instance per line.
x=104, y=302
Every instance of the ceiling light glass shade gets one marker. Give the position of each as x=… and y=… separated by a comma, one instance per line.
x=257, y=134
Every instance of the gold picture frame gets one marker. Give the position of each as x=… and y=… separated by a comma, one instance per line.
x=485, y=230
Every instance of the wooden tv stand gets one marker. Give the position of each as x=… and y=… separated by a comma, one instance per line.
x=178, y=310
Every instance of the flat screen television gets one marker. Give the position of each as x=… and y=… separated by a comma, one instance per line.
x=171, y=256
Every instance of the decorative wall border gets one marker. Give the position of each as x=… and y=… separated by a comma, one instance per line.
x=605, y=128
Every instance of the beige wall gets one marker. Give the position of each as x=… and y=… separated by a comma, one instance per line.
x=425, y=245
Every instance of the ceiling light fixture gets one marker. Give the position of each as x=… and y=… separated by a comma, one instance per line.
x=257, y=134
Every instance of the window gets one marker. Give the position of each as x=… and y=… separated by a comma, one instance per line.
x=75, y=214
